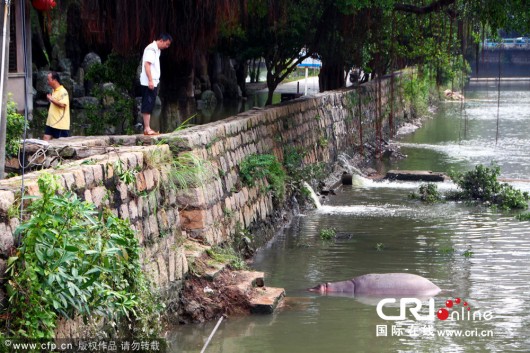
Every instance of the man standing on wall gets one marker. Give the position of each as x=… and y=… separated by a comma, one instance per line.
x=58, y=123
x=150, y=77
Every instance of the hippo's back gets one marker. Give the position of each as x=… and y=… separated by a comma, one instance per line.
x=396, y=284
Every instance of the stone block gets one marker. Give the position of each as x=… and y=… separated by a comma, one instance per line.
x=69, y=181
x=191, y=197
x=88, y=196
x=7, y=199
x=140, y=206
x=6, y=240
x=163, y=277
x=171, y=265
x=195, y=219
x=89, y=176
x=79, y=177
x=163, y=222
x=124, y=211
x=149, y=179
x=133, y=211
x=141, y=184
x=153, y=227
x=99, y=194
x=32, y=189
x=123, y=191
x=14, y=223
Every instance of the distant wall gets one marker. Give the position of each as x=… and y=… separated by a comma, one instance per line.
x=514, y=62
x=323, y=126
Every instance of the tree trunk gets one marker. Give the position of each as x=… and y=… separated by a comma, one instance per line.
x=272, y=84
x=331, y=76
x=241, y=75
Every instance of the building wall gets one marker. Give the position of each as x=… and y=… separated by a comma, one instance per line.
x=16, y=78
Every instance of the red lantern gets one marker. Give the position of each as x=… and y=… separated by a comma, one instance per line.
x=43, y=5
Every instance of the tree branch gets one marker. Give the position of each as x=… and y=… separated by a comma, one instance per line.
x=432, y=7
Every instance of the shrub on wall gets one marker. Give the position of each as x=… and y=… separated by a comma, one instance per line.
x=14, y=128
x=74, y=261
x=264, y=166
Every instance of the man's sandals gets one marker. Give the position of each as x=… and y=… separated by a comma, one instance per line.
x=151, y=133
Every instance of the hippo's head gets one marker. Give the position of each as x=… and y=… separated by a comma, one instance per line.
x=335, y=287
x=321, y=288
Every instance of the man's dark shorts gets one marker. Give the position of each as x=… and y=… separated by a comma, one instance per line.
x=56, y=133
x=148, y=99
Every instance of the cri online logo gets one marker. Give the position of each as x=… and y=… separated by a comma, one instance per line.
x=443, y=314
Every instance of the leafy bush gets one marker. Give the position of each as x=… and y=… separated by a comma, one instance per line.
x=228, y=256
x=74, y=260
x=481, y=184
x=119, y=98
x=416, y=91
x=327, y=233
x=297, y=172
x=524, y=216
x=116, y=113
x=118, y=69
x=264, y=166
x=427, y=193
x=14, y=129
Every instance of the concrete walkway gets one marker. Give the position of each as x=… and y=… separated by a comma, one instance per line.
x=291, y=87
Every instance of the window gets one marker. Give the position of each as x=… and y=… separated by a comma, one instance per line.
x=13, y=67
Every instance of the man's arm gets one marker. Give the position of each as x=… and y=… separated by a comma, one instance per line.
x=55, y=101
x=150, y=82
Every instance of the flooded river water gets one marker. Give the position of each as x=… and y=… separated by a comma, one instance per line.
x=479, y=255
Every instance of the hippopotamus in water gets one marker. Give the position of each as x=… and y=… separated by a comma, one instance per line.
x=381, y=284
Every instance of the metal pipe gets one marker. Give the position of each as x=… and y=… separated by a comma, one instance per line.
x=211, y=334
x=3, y=115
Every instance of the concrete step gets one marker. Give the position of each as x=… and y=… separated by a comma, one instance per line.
x=265, y=300
x=416, y=175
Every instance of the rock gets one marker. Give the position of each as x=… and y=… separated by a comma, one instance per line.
x=65, y=65
x=68, y=83
x=84, y=102
x=108, y=99
x=78, y=91
x=217, y=90
x=41, y=84
x=209, y=98
x=90, y=60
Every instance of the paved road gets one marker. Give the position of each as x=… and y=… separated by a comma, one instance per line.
x=312, y=86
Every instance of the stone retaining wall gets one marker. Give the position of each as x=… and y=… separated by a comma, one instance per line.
x=323, y=126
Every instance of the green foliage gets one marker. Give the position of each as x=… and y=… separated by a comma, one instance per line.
x=14, y=129
x=481, y=185
x=297, y=172
x=227, y=256
x=417, y=92
x=114, y=111
x=323, y=142
x=121, y=70
x=523, y=216
x=74, y=260
x=447, y=250
x=188, y=170
x=468, y=253
x=379, y=246
x=327, y=233
x=128, y=176
x=116, y=101
x=428, y=193
x=264, y=166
